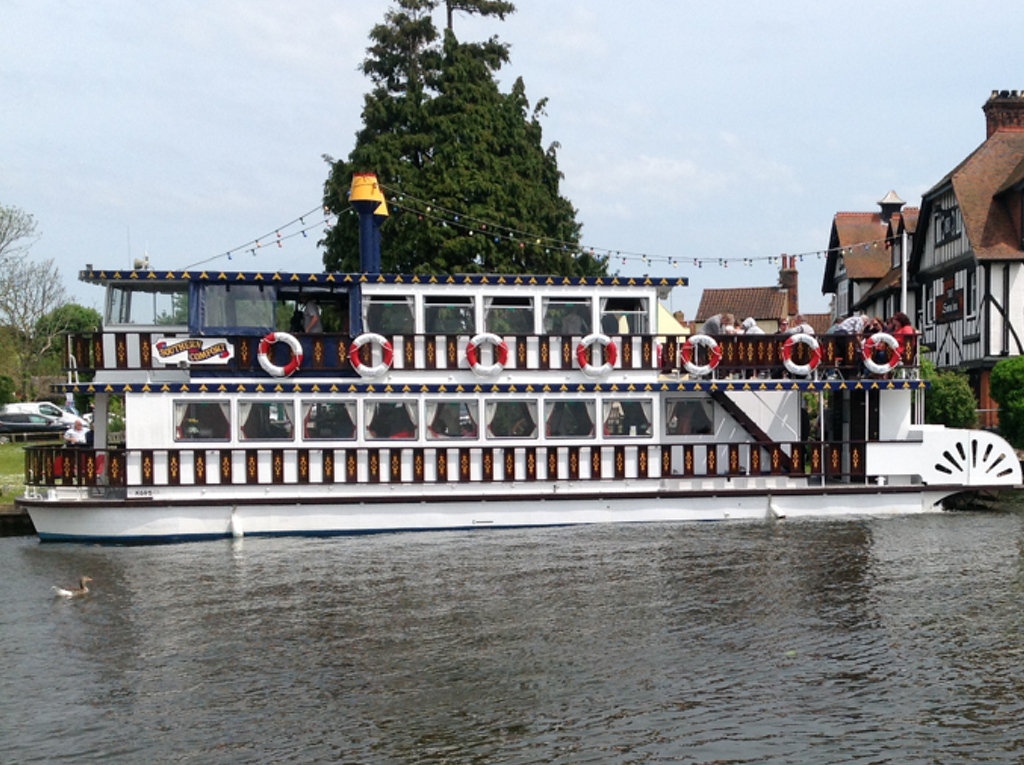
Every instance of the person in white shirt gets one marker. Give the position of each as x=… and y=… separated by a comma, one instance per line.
x=799, y=325
x=75, y=435
x=750, y=327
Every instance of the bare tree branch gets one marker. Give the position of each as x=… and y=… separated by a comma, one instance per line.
x=16, y=226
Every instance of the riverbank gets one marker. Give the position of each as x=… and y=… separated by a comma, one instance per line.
x=14, y=522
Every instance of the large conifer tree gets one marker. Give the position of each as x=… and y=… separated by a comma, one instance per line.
x=438, y=131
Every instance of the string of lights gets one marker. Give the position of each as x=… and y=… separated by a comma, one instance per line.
x=474, y=226
x=424, y=209
x=278, y=236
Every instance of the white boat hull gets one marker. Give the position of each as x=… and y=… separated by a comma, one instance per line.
x=168, y=520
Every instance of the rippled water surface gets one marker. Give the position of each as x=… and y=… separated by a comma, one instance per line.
x=878, y=641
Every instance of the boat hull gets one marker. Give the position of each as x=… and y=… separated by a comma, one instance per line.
x=170, y=520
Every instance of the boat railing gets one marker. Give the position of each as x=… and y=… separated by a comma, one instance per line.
x=143, y=469
x=772, y=356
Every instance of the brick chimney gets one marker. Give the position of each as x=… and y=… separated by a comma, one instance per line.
x=1004, y=110
x=789, y=281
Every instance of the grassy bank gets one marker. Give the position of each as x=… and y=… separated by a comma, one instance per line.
x=12, y=472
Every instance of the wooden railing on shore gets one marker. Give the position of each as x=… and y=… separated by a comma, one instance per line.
x=47, y=466
x=329, y=354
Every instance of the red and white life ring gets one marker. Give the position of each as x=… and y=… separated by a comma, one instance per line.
x=714, y=354
x=264, y=359
x=386, y=349
x=611, y=354
x=801, y=338
x=500, y=354
x=871, y=345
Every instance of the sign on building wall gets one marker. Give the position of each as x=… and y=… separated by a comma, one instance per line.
x=949, y=304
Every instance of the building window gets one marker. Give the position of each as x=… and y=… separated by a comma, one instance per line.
x=972, y=291
x=947, y=225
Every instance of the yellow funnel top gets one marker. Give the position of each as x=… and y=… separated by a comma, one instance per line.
x=366, y=189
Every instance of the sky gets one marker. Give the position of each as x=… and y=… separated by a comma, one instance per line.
x=732, y=130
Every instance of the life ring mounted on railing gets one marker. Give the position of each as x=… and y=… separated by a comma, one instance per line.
x=500, y=354
x=611, y=354
x=386, y=349
x=263, y=354
x=714, y=354
x=801, y=338
x=893, y=360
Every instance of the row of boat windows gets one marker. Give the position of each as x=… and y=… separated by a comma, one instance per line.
x=257, y=306
x=437, y=420
x=504, y=315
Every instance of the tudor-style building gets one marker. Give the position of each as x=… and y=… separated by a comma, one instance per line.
x=968, y=257
x=865, y=259
x=965, y=270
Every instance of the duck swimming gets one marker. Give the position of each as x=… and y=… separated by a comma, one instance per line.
x=73, y=592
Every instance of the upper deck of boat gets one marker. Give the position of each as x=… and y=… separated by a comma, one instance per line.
x=500, y=329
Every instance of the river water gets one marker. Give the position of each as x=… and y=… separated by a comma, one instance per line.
x=891, y=640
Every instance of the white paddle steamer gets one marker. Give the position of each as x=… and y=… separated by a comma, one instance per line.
x=280, y=403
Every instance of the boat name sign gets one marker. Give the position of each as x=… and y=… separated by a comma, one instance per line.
x=192, y=350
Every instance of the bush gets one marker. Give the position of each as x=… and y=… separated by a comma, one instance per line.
x=950, y=401
x=6, y=390
x=1007, y=388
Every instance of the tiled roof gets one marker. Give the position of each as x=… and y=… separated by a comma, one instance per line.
x=820, y=321
x=891, y=281
x=976, y=183
x=863, y=235
x=763, y=303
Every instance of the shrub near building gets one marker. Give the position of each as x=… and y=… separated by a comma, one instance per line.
x=1007, y=388
x=950, y=400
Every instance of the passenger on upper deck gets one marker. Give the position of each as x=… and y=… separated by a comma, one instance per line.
x=851, y=325
x=750, y=327
x=799, y=326
x=719, y=324
x=899, y=326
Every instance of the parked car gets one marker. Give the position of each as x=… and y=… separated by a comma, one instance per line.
x=45, y=408
x=21, y=423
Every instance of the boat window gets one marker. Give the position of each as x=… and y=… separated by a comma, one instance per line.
x=388, y=314
x=451, y=419
x=509, y=315
x=335, y=420
x=624, y=316
x=567, y=316
x=153, y=305
x=689, y=417
x=388, y=419
x=239, y=308
x=569, y=419
x=627, y=418
x=266, y=420
x=448, y=315
x=512, y=419
x=206, y=421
